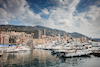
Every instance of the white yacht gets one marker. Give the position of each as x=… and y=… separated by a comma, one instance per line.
x=76, y=53
x=11, y=50
x=23, y=48
x=17, y=49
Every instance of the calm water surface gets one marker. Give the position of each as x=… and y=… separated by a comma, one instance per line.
x=43, y=58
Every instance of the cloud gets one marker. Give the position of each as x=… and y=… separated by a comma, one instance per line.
x=67, y=18
x=90, y=21
x=45, y=11
x=63, y=15
x=5, y=22
x=13, y=9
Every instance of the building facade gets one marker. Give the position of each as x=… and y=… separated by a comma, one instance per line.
x=37, y=34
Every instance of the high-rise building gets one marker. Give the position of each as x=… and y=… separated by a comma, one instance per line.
x=44, y=32
x=37, y=34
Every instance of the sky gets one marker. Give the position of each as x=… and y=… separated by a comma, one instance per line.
x=82, y=16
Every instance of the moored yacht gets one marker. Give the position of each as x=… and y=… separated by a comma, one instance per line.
x=76, y=53
x=17, y=49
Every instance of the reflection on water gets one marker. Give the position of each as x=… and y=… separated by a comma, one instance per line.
x=43, y=58
x=10, y=59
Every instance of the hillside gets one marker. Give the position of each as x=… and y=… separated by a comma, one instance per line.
x=76, y=35
x=30, y=29
x=96, y=39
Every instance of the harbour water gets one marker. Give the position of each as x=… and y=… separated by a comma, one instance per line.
x=44, y=58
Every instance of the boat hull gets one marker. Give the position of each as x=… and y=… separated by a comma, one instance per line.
x=78, y=54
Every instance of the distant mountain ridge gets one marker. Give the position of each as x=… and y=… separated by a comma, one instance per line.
x=76, y=35
x=96, y=39
x=30, y=29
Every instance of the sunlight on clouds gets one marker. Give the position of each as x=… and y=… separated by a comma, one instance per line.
x=45, y=11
